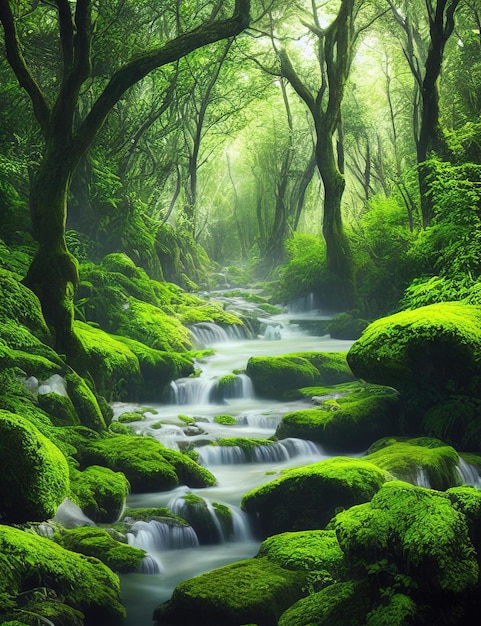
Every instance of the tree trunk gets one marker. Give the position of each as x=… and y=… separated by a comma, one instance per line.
x=53, y=274
x=339, y=258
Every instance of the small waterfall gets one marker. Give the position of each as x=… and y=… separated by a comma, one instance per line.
x=276, y=452
x=272, y=333
x=210, y=390
x=208, y=333
x=213, y=523
x=468, y=473
x=154, y=537
x=259, y=420
x=221, y=455
x=421, y=478
x=191, y=390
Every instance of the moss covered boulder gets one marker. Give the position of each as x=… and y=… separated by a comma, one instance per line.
x=40, y=577
x=255, y=591
x=34, y=475
x=100, y=492
x=418, y=545
x=274, y=376
x=99, y=543
x=350, y=422
x=428, y=353
x=85, y=402
x=307, y=497
x=424, y=462
x=147, y=464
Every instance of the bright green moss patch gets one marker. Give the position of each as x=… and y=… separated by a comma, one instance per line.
x=146, y=463
x=100, y=492
x=131, y=416
x=97, y=542
x=79, y=582
x=406, y=460
x=274, y=376
x=161, y=514
x=337, y=605
x=349, y=422
x=34, y=477
x=19, y=304
x=226, y=420
x=85, y=402
x=207, y=312
x=418, y=531
x=60, y=409
x=430, y=352
x=307, y=497
x=254, y=591
x=315, y=551
x=110, y=362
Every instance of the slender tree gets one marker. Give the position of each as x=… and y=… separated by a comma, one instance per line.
x=53, y=273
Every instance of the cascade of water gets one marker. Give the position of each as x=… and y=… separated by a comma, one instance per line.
x=468, y=473
x=422, y=478
x=258, y=420
x=276, y=452
x=221, y=455
x=272, y=333
x=203, y=390
x=154, y=536
x=208, y=333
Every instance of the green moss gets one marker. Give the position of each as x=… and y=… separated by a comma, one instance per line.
x=253, y=591
x=109, y=362
x=273, y=376
x=20, y=305
x=315, y=551
x=97, y=542
x=457, y=420
x=347, y=326
x=410, y=531
x=100, y=492
x=60, y=409
x=160, y=514
x=406, y=459
x=146, y=463
x=19, y=337
x=207, y=312
x=131, y=416
x=79, y=582
x=157, y=367
x=306, y=498
x=350, y=422
x=226, y=420
x=34, y=472
x=405, y=351
x=337, y=605
x=85, y=402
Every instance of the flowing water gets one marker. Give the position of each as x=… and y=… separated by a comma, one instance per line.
x=176, y=554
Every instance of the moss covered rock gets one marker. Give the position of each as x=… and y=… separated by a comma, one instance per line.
x=60, y=409
x=428, y=354
x=85, y=585
x=98, y=542
x=350, y=422
x=85, y=402
x=413, y=532
x=100, y=492
x=255, y=591
x=307, y=497
x=34, y=477
x=146, y=463
x=274, y=376
x=424, y=462
x=20, y=305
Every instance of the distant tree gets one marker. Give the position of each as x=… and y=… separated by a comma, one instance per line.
x=70, y=123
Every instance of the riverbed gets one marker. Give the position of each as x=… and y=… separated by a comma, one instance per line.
x=255, y=417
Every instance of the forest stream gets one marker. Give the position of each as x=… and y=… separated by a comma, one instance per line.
x=175, y=557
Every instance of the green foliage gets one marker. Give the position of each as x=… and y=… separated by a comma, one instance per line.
x=226, y=420
x=305, y=271
x=381, y=243
x=35, y=476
